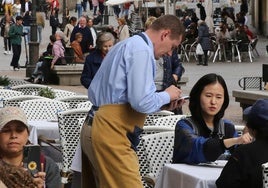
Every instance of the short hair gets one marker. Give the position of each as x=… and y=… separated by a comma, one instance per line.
x=19, y=18
x=194, y=103
x=149, y=22
x=104, y=37
x=77, y=35
x=169, y=22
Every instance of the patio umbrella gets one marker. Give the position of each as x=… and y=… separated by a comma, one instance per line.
x=118, y=2
x=209, y=12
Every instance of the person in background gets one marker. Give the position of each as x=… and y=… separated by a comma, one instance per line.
x=5, y=24
x=93, y=31
x=122, y=93
x=69, y=29
x=117, y=10
x=55, y=6
x=95, y=4
x=78, y=54
x=26, y=6
x=243, y=168
x=78, y=8
x=8, y=6
x=87, y=41
x=125, y=10
x=54, y=22
x=38, y=75
x=84, y=5
x=14, y=134
x=204, y=40
x=104, y=42
x=58, y=49
x=202, y=10
x=27, y=19
x=122, y=31
x=205, y=136
x=15, y=33
x=17, y=8
x=249, y=33
x=40, y=21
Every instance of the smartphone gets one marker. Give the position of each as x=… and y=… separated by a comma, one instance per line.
x=186, y=97
x=31, y=158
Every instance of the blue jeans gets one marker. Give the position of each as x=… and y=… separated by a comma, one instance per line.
x=79, y=10
x=27, y=29
x=39, y=31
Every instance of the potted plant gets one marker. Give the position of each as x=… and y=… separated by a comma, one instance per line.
x=47, y=92
x=4, y=81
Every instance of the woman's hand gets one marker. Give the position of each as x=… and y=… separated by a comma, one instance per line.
x=245, y=139
x=39, y=179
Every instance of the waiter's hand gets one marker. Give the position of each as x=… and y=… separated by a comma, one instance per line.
x=174, y=92
x=173, y=105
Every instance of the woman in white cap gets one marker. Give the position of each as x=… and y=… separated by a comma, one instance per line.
x=244, y=166
x=14, y=134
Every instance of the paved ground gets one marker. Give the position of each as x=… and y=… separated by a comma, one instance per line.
x=232, y=71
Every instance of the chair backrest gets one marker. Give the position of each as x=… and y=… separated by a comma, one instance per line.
x=159, y=150
x=59, y=93
x=30, y=89
x=86, y=105
x=15, y=82
x=265, y=175
x=43, y=109
x=168, y=121
x=15, y=101
x=70, y=124
x=251, y=83
x=74, y=100
x=7, y=93
x=147, y=130
x=151, y=117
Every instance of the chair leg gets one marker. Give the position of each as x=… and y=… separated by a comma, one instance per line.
x=250, y=56
x=216, y=54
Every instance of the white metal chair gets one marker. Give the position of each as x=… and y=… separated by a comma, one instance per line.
x=60, y=93
x=7, y=93
x=70, y=124
x=43, y=109
x=29, y=89
x=17, y=81
x=15, y=101
x=151, y=117
x=158, y=149
x=86, y=105
x=168, y=121
x=140, y=149
x=74, y=100
x=265, y=175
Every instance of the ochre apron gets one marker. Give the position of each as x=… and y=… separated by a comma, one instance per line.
x=116, y=162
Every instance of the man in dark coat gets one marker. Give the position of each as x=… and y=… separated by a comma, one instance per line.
x=87, y=41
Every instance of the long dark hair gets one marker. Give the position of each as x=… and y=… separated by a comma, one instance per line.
x=194, y=103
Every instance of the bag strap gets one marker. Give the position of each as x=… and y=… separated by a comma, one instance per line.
x=143, y=37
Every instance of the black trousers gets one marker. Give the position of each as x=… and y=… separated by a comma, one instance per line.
x=16, y=55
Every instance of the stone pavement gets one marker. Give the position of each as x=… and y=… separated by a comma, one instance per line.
x=231, y=71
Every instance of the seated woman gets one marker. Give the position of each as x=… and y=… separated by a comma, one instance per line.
x=93, y=61
x=14, y=135
x=78, y=53
x=205, y=136
x=244, y=166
